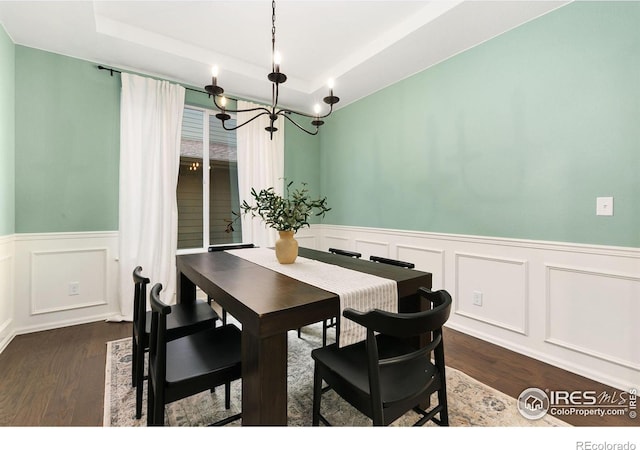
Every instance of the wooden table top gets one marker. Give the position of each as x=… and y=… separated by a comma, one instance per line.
x=267, y=302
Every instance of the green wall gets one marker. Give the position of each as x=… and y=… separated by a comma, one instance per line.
x=513, y=138
x=302, y=158
x=7, y=134
x=67, y=144
x=302, y=161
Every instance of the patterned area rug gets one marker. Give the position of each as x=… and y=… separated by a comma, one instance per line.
x=470, y=403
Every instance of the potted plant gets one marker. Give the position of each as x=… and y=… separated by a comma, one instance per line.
x=286, y=214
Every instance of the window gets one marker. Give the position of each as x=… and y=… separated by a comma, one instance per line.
x=207, y=181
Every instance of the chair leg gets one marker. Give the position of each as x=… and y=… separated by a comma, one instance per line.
x=139, y=378
x=224, y=312
x=442, y=401
x=227, y=395
x=317, y=396
x=134, y=355
x=158, y=409
x=150, y=402
x=299, y=333
x=324, y=333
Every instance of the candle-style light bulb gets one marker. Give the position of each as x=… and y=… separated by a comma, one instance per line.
x=223, y=102
x=214, y=75
x=330, y=83
x=316, y=109
x=277, y=60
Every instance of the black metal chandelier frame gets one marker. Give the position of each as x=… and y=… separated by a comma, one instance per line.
x=276, y=78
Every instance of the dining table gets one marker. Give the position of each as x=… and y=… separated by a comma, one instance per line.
x=268, y=304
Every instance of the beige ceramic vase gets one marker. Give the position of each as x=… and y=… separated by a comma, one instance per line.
x=286, y=247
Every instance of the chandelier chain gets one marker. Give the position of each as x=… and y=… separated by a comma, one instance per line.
x=273, y=25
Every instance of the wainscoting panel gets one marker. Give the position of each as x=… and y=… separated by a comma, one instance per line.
x=338, y=242
x=571, y=305
x=584, y=312
x=64, y=279
x=369, y=248
x=426, y=259
x=492, y=290
x=307, y=237
x=68, y=279
x=537, y=297
x=307, y=241
x=6, y=290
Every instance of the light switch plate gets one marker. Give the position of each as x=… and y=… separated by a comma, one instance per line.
x=604, y=206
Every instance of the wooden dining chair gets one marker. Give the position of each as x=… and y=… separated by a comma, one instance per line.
x=221, y=248
x=187, y=318
x=183, y=367
x=393, y=262
x=331, y=323
x=385, y=376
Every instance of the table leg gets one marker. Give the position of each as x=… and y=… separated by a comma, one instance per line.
x=185, y=289
x=264, y=379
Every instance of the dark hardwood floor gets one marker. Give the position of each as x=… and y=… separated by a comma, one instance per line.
x=56, y=377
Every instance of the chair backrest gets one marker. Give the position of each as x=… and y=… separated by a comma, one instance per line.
x=393, y=262
x=339, y=251
x=139, y=300
x=158, y=337
x=221, y=248
x=399, y=357
x=404, y=358
x=404, y=325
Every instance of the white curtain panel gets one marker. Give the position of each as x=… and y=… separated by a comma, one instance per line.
x=150, y=126
x=260, y=166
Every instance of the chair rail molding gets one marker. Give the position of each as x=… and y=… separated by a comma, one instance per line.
x=539, y=298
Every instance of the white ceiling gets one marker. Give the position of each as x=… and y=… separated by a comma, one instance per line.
x=364, y=45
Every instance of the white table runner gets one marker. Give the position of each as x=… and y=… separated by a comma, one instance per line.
x=356, y=290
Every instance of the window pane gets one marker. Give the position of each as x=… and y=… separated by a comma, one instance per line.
x=223, y=182
x=189, y=192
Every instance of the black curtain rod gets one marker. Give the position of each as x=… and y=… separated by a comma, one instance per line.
x=112, y=71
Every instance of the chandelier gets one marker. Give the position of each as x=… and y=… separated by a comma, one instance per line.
x=274, y=111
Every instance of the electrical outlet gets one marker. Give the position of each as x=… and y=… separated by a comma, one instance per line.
x=477, y=298
x=74, y=288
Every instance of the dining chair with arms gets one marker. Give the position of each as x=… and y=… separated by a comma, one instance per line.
x=385, y=376
x=393, y=262
x=187, y=318
x=331, y=323
x=183, y=367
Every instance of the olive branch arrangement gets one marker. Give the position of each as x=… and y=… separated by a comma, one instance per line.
x=283, y=213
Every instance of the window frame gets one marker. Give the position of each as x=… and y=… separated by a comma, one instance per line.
x=207, y=114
